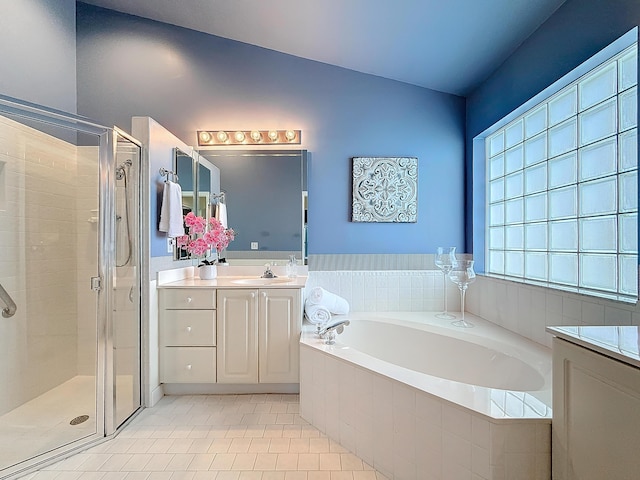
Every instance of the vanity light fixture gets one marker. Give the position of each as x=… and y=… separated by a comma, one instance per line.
x=256, y=136
x=205, y=136
x=248, y=137
x=221, y=136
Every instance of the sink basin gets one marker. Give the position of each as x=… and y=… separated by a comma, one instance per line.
x=260, y=281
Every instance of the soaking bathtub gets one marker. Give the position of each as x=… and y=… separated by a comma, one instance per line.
x=418, y=398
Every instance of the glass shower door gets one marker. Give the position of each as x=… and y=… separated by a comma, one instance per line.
x=126, y=285
x=49, y=236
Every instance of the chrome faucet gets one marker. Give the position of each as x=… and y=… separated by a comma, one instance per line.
x=268, y=273
x=328, y=330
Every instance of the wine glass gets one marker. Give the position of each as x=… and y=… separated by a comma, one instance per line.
x=462, y=274
x=445, y=258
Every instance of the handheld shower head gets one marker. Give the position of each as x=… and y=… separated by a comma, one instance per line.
x=120, y=170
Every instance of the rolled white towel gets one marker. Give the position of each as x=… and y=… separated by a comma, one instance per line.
x=334, y=303
x=317, y=314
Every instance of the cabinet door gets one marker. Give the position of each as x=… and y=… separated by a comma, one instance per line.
x=237, y=352
x=279, y=335
x=596, y=415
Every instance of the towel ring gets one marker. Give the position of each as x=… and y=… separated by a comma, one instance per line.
x=217, y=196
x=165, y=173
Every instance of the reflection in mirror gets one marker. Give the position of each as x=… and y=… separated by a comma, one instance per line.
x=198, y=179
x=266, y=203
x=208, y=179
x=184, y=166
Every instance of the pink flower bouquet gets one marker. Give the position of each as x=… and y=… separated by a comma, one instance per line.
x=204, y=237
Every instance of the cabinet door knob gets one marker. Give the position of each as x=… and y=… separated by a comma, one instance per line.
x=264, y=294
x=188, y=329
x=189, y=367
x=253, y=295
x=189, y=299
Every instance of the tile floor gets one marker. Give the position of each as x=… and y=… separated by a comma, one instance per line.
x=216, y=437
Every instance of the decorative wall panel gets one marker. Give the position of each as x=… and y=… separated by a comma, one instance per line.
x=385, y=189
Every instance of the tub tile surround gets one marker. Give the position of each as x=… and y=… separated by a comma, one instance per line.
x=527, y=310
x=406, y=433
x=389, y=291
x=414, y=440
x=523, y=309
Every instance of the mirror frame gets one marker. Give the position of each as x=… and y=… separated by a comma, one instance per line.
x=261, y=257
x=178, y=253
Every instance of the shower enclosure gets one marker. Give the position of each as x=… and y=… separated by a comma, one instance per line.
x=70, y=290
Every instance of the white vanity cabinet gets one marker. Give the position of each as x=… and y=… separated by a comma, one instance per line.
x=258, y=335
x=596, y=403
x=187, y=335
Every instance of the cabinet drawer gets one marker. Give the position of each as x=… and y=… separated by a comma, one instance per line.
x=191, y=298
x=188, y=328
x=188, y=364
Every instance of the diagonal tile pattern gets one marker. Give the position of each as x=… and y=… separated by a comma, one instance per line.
x=216, y=437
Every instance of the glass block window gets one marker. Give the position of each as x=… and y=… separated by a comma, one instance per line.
x=562, y=196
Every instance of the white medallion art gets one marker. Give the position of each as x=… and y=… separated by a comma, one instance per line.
x=385, y=189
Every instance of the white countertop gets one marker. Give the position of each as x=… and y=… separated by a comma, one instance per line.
x=231, y=277
x=232, y=282
x=620, y=343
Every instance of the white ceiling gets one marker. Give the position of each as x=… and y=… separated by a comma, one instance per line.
x=445, y=45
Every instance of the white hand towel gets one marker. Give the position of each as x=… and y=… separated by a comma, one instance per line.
x=221, y=214
x=317, y=314
x=171, y=213
x=334, y=303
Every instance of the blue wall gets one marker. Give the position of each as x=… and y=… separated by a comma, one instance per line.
x=264, y=200
x=188, y=80
x=38, y=53
x=576, y=31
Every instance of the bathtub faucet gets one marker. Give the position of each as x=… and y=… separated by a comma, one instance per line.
x=328, y=330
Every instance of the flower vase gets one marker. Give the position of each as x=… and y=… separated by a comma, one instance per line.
x=207, y=272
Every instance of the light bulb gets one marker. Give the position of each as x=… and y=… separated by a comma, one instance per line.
x=256, y=136
x=222, y=136
x=239, y=136
x=290, y=135
x=273, y=135
x=205, y=137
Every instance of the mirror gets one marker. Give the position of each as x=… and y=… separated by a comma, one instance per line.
x=208, y=179
x=198, y=179
x=266, y=202
x=184, y=166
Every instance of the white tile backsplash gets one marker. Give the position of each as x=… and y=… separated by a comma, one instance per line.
x=527, y=309
x=521, y=308
x=388, y=291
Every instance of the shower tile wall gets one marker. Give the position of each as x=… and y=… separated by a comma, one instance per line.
x=87, y=216
x=38, y=260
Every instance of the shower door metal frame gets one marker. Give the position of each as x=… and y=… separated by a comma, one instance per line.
x=108, y=258
x=105, y=418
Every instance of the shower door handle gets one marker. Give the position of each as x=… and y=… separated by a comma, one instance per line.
x=96, y=284
x=11, y=307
